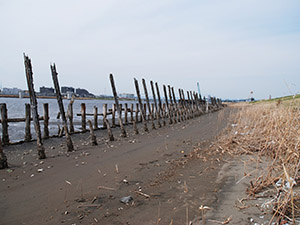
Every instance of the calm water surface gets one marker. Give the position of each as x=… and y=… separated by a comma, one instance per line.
x=16, y=109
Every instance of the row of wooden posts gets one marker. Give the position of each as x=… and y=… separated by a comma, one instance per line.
x=172, y=110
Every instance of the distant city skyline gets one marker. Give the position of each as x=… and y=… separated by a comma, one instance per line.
x=230, y=47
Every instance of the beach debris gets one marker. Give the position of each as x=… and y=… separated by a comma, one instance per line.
x=117, y=168
x=126, y=199
x=68, y=182
x=40, y=170
x=142, y=194
x=125, y=181
x=9, y=170
x=106, y=188
x=89, y=205
x=32, y=175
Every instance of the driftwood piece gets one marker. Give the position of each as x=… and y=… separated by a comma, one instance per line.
x=61, y=107
x=33, y=103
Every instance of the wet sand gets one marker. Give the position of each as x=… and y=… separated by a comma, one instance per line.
x=155, y=169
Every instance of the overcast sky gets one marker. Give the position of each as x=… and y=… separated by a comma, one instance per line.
x=231, y=47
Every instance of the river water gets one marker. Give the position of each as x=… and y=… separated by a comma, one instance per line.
x=16, y=109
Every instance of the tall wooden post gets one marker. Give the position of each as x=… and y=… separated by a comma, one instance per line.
x=33, y=103
x=95, y=117
x=148, y=103
x=141, y=104
x=46, y=120
x=4, y=121
x=61, y=107
x=167, y=104
x=70, y=114
x=155, y=104
x=113, y=87
x=3, y=159
x=83, y=117
x=27, y=122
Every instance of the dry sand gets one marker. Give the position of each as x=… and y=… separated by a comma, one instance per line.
x=85, y=186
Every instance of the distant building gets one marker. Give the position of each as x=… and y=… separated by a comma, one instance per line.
x=84, y=93
x=47, y=91
x=65, y=90
x=11, y=91
x=126, y=95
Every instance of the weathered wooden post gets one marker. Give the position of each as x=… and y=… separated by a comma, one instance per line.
x=164, y=114
x=167, y=104
x=137, y=112
x=190, y=104
x=148, y=104
x=126, y=113
x=93, y=137
x=141, y=104
x=121, y=111
x=180, y=105
x=113, y=115
x=95, y=117
x=4, y=121
x=104, y=115
x=46, y=120
x=33, y=103
x=187, y=113
x=177, y=113
x=70, y=114
x=158, y=97
x=136, y=131
x=123, y=132
x=155, y=104
x=109, y=132
x=131, y=112
x=27, y=123
x=3, y=159
x=171, y=105
x=83, y=117
x=61, y=107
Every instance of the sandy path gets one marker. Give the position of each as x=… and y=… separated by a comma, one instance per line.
x=154, y=163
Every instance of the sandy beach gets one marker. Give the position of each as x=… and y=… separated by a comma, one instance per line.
x=158, y=170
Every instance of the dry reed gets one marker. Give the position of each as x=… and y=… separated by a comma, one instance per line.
x=273, y=132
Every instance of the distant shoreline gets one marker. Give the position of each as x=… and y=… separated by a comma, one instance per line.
x=54, y=97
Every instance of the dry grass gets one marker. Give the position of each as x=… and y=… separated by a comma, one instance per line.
x=273, y=132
